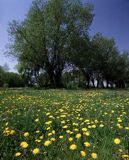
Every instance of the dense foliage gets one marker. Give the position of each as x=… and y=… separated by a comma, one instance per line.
x=54, y=40
x=10, y=79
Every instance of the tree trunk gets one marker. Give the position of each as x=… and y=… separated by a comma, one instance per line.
x=98, y=82
x=102, y=84
x=93, y=82
x=58, y=80
x=87, y=77
x=107, y=84
x=51, y=77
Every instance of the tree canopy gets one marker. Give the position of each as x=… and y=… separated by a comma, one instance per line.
x=55, y=36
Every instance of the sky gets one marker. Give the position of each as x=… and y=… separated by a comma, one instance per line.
x=111, y=19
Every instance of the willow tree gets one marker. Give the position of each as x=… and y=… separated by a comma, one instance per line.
x=43, y=39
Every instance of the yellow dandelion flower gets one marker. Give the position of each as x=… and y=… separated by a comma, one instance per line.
x=65, y=127
x=52, y=139
x=26, y=134
x=86, y=144
x=36, y=151
x=83, y=153
x=49, y=122
x=117, y=141
x=70, y=139
x=73, y=147
x=47, y=143
x=78, y=135
x=17, y=154
x=53, y=132
x=125, y=156
x=38, y=140
x=94, y=155
x=36, y=120
x=24, y=144
x=49, y=134
x=41, y=137
x=12, y=132
x=84, y=129
x=101, y=125
x=61, y=137
x=87, y=133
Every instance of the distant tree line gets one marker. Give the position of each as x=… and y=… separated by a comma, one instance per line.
x=10, y=79
x=54, y=48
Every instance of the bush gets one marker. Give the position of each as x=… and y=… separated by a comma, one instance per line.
x=14, y=80
x=71, y=85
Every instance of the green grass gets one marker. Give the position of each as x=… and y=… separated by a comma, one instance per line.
x=57, y=116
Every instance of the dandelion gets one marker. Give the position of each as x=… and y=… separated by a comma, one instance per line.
x=17, y=154
x=86, y=144
x=38, y=140
x=83, y=153
x=94, y=155
x=65, y=127
x=49, y=122
x=41, y=137
x=36, y=151
x=47, y=143
x=73, y=147
x=36, y=120
x=101, y=125
x=49, y=134
x=117, y=141
x=61, y=137
x=70, y=139
x=26, y=134
x=125, y=156
x=12, y=132
x=24, y=144
x=37, y=131
x=87, y=133
x=78, y=135
x=84, y=129
x=52, y=139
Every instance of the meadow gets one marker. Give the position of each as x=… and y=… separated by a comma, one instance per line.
x=64, y=125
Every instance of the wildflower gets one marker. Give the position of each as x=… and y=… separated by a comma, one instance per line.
x=47, y=143
x=36, y=120
x=12, y=132
x=52, y=139
x=84, y=129
x=17, y=154
x=49, y=134
x=78, y=135
x=94, y=155
x=41, y=137
x=36, y=151
x=83, y=153
x=24, y=144
x=86, y=144
x=117, y=141
x=65, y=127
x=61, y=137
x=53, y=132
x=125, y=156
x=70, y=139
x=101, y=125
x=93, y=126
x=87, y=133
x=49, y=122
x=26, y=134
x=38, y=140
x=73, y=147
